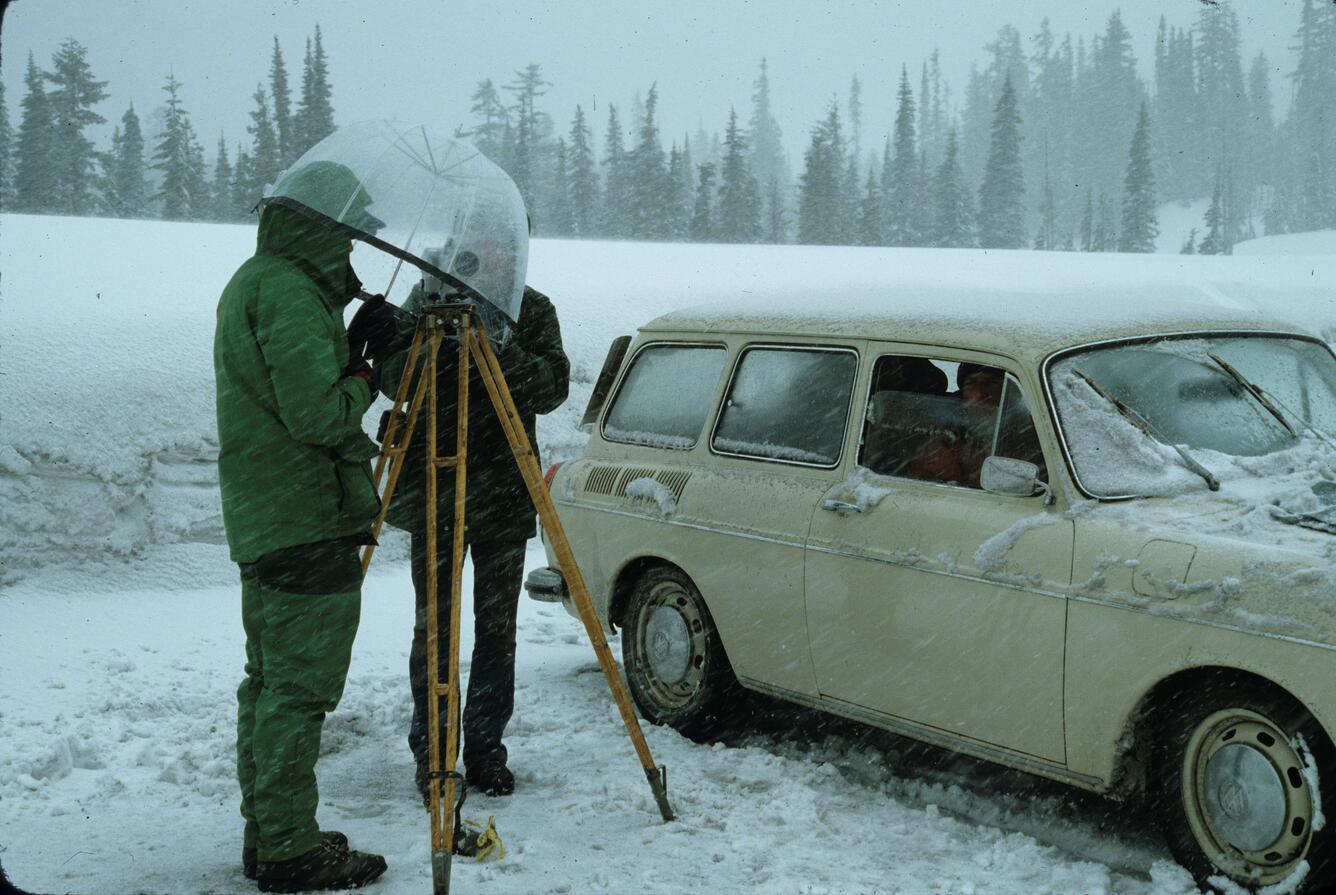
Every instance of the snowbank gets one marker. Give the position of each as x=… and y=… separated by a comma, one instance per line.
x=1315, y=242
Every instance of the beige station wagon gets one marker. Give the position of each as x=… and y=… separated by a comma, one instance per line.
x=1086, y=538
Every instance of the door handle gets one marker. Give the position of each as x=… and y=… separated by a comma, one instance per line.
x=840, y=506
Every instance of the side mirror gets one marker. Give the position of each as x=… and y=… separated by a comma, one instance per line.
x=1018, y=478
x=611, y=364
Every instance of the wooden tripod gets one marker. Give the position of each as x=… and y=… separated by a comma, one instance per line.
x=435, y=322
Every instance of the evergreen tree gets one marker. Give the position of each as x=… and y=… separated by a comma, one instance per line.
x=1139, y=226
x=127, y=191
x=649, y=173
x=739, y=212
x=6, y=155
x=702, y=216
x=953, y=206
x=491, y=118
x=1046, y=238
x=583, y=178
x=266, y=162
x=1214, y=243
x=869, y=219
x=674, y=211
x=560, y=216
x=1311, y=132
x=314, y=119
x=220, y=191
x=855, y=118
x=241, y=200
x=1088, y=223
x=1105, y=236
x=71, y=100
x=34, y=174
x=617, y=186
x=903, y=222
x=177, y=156
x=1001, y=213
x=1190, y=244
x=278, y=87
x=1221, y=107
x=776, y=218
x=530, y=126
x=767, y=148
x=821, y=205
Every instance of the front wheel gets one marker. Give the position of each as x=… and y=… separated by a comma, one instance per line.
x=1240, y=778
x=675, y=663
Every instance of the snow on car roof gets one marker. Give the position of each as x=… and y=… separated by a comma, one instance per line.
x=1021, y=304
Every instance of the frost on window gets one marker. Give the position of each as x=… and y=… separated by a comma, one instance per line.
x=666, y=396
x=917, y=428
x=788, y=405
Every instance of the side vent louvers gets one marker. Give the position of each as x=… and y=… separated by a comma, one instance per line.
x=601, y=480
x=630, y=475
x=675, y=482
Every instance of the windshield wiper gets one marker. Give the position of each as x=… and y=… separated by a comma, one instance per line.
x=1145, y=427
x=1256, y=392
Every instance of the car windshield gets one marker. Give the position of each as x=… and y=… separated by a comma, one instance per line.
x=1138, y=416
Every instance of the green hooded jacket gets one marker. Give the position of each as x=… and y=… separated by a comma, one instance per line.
x=293, y=459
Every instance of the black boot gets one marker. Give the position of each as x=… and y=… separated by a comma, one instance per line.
x=250, y=860
x=323, y=867
x=491, y=777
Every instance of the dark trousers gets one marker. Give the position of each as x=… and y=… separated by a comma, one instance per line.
x=498, y=570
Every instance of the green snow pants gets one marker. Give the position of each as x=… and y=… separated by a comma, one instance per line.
x=298, y=646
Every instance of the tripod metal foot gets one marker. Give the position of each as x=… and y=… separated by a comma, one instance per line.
x=440, y=873
x=658, y=783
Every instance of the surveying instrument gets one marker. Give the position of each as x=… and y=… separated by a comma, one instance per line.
x=459, y=322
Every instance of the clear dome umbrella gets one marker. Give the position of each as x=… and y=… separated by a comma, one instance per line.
x=425, y=197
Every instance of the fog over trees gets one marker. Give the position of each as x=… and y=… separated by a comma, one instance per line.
x=1055, y=142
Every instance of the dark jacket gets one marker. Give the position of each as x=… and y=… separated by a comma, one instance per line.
x=538, y=375
x=292, y=459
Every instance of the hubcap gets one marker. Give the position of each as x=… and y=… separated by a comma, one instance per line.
x=1247, y=800
x=667, y=644
x=670, y=646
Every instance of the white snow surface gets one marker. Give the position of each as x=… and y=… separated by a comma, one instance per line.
x=651, y=492
x=1314, y=242
x=121, y=643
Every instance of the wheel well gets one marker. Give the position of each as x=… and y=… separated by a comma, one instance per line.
x=626, y=581
x=1139, y=729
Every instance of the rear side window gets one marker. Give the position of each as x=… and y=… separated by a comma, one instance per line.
x=666, y=396
x=789, y=405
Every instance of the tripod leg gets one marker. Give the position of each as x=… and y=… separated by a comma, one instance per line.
x=504, y=405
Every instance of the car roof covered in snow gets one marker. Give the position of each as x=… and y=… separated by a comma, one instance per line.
x=1027, y=325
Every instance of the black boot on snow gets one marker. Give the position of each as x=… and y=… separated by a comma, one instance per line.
x=323, y=867
x=491, y=778
x=250, y=860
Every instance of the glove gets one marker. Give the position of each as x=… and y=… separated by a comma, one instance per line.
x=377, y=329
x=359, y=367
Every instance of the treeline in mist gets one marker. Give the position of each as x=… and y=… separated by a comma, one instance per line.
x=1055, y=142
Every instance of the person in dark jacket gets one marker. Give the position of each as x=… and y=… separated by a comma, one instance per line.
x=297, y=500
x=499, y=523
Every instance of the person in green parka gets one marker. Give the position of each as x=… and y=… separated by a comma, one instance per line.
x=499, y=522
x=297, y=501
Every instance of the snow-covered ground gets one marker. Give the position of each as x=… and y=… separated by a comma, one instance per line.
x=121, y=645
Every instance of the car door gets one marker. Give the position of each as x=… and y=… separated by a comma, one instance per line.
x=930, y=599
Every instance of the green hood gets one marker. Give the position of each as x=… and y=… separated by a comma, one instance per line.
x=320, y=252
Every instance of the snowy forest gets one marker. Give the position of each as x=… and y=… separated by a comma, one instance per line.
x=1055, y=142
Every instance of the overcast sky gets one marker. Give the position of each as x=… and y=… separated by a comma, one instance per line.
x=419, y=60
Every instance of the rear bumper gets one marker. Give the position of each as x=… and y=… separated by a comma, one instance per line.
x=547, y=585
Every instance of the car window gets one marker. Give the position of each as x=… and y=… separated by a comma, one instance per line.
x=789, y=405
x=938, y=420
x=666, y=396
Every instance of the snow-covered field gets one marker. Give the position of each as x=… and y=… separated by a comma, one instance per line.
x=121, y=644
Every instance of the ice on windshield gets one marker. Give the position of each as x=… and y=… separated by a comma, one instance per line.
x=1190, y=401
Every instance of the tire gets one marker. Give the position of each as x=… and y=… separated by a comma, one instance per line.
x=676, y=667
x=1233, y=792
